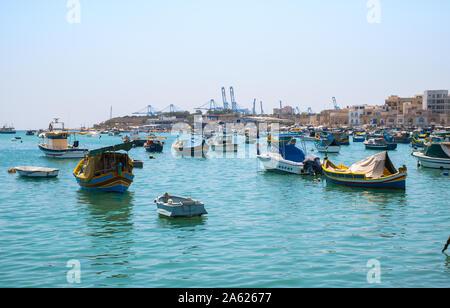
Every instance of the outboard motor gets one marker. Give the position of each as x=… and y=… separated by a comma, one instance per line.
x=317, y=166
x=312, y=165
x=76, y=143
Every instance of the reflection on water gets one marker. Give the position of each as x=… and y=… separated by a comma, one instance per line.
x=184, y=224
x=109, y=222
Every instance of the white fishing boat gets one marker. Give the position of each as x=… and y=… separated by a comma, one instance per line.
x=174, y=206
x=37, y=172
x=435, y=155
x=286, y=157
x=57, y=146
x=224, y=143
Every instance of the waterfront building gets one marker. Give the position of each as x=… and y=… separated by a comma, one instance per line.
x=437, y=101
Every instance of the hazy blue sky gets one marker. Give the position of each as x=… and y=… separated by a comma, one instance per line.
x=129, y=54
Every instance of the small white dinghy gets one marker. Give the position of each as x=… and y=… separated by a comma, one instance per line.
x=174, y=206
x=37, y=172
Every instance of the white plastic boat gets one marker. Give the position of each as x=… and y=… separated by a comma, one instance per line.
x=174, y=206
x=435, y=155
x=37, y=172
x=286, y=157
x=275, y=162
x=224, y=143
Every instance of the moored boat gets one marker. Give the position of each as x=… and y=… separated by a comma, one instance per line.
x=36, y=172
x=195, y=146
x=175, y=206
x=154, y=146
x=7, y=130
x=379, y=144
x=327, y=144
x=286, y=157
x=359, y=137
x=376, y=171
x=106, y=169
x=402, y=137
x=435, y=155
x=417, y=143
x=224, y=143
x=57, y=146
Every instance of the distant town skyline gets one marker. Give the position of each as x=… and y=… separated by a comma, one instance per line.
x=131, y=54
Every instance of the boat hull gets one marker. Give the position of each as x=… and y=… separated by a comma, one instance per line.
x=388, y=147
x=181, y=210
x=396, y=182
x=200, y=151
x=281, y=165
x=225, y=148
x=7, y=132
x=37, y=173
x=432, y=162
x=110, y=182
x=154, y=148
x=64, y=154
x=328, y=149
x=359, y=139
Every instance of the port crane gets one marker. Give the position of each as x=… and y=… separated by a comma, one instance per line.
x=336, y=107
x=211, y=105
x=224, y=99
x=148, y=111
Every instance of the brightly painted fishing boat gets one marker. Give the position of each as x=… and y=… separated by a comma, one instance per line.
x=435, y=155
x=402, y=138
x=106, y=170
x=376, y=171
x=342, y=139
x=417, y=143
x=359, y=138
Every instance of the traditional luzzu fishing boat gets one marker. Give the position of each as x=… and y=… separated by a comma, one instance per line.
x=342, y=139
x=417, y=143
x=376, y=171
x=402, y=137
x=327, y=144
x=359, y=137
x=435, y=155
x=195, y=146
x=57, y=146
x=106, y=170
x=286, y=157
x=379, y=144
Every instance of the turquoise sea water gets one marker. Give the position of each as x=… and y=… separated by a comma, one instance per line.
x=263, y=229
